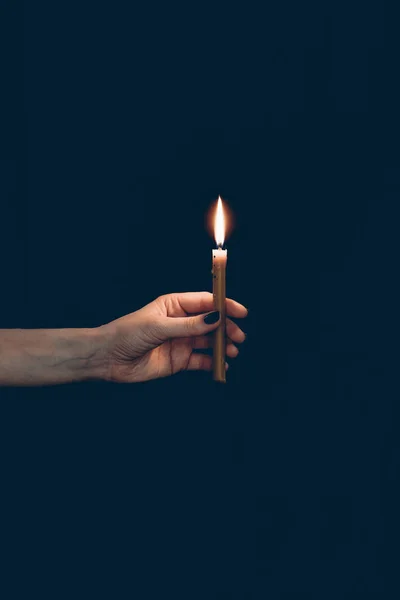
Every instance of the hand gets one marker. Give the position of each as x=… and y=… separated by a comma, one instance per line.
x=163, y=337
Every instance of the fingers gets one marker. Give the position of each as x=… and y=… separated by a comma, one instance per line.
x=204, y=342
x=201, y=342
x=233, y=333
x=235, y=309
x=192, y=302
x=231, y=350
x=196, y=302
x=201, y=362
x=170, y=327
x=179, y=327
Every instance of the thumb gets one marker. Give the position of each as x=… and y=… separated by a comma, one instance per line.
x=191, y=326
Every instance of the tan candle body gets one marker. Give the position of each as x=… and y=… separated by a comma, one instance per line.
x=219, y=292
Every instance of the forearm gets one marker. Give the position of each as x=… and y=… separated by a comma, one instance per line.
x=51, y=356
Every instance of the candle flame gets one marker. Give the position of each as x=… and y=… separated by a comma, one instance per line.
x=219, y=223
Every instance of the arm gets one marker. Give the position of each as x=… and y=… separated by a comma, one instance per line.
x=51, y=356
x=163, y=338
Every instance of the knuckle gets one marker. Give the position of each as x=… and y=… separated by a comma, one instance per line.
x=168, y=301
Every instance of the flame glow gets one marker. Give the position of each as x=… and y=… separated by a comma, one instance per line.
x=219, y=224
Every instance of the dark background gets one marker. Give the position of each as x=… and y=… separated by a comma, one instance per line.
x=120, y=125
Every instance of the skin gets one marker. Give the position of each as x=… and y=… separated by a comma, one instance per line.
x=161, y=339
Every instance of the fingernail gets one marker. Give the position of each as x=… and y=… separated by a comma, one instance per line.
x=212, y=317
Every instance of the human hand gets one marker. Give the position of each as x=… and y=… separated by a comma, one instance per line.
x=164, y=337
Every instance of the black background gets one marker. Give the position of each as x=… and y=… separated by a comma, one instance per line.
x=120, y=125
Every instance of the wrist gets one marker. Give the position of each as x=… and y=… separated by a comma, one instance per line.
x=98, y=341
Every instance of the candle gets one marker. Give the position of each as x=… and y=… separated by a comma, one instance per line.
x=219, y=260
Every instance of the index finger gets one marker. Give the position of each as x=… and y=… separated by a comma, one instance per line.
x=198, y=302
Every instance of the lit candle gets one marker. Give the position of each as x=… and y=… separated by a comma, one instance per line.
x=219, y=259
